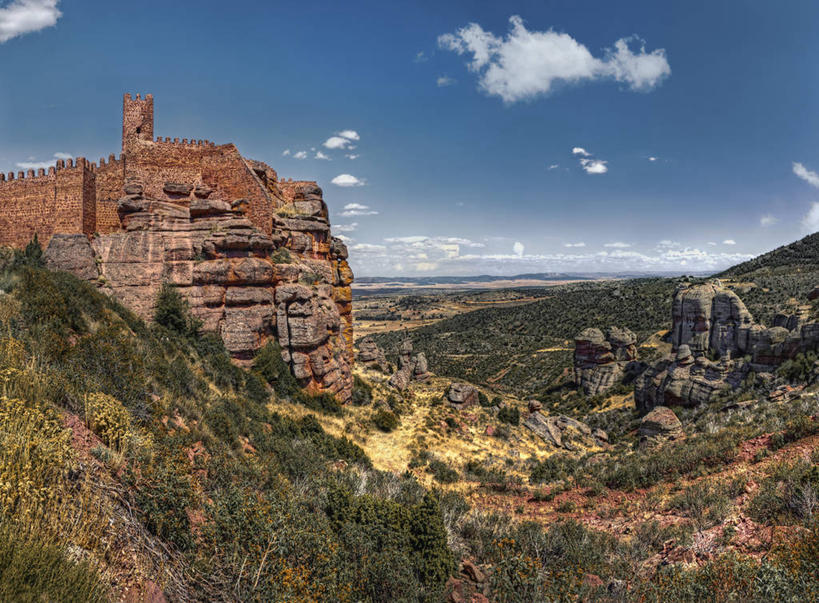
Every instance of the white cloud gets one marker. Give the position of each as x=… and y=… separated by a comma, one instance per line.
x=420, y=57
x=336, y=142
x=342, y=140
x=811, y=220
x=347, y=180
x=768, y=220
x=285, y=153
x=594, y=166
x=652, y=158
x=320, y=155
x=618, y=245
x=345, y=227
x=729, y=242
x=580, y=244
x=518, y=249
x=357, y=209
x=712, y=243
x=805, y=174
x=426, y=266
x=553, y=166
x=580, y=151
x=526, y=63
x=444, y=81
x=27, y=16
x=300, y=155
x=352, y=156
x=667, y=244
x=35, y=165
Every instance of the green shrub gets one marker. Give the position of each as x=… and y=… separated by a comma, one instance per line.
x=172, y=311
x=510, y=415
x=385, y=420
x=362, y=392
x=32, y=570
x=442, y=472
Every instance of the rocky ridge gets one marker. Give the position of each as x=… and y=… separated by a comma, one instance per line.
x=292, y=286
x=600, y=361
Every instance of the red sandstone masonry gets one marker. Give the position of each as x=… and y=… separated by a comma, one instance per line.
x=82, y=198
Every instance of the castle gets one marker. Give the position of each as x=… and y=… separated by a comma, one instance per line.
x=80, y=197
x=252, y=254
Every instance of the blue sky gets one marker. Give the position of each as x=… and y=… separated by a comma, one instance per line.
x=478, y=137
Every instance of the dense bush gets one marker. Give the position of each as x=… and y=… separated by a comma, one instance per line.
x=385, y=420
x=509, y=414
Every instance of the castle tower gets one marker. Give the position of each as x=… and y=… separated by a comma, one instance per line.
x=137, y=119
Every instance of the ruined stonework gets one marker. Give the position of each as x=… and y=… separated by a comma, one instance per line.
x=253, y=254
x=711, y=322
x=600, y=361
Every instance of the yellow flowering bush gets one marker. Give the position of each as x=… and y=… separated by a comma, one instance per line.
x=35, y=455
x=108, y=418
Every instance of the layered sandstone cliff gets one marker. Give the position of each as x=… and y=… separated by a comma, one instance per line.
x=292, y=286
x=600, y=361
x=715, y=344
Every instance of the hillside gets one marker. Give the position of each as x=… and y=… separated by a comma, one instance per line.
x=799, y=256
x=522, y=349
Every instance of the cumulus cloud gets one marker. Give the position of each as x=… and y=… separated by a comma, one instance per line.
x=285, y=153
x=347, y=180
x=444, y=81
x=342, y=140
x=580, y=151
x=518, y=248
x=579, y=244
x=652, y=158
x=729, y=242
x=768, y=220
x=618, y=245
x=357, y=209
x=805, y=174
x=300, y=155
x=594, y=166
x=35, y=165
x=526, y=64
x=345, y=227
x=320, y=155
x=27, y=16
x=811, y=220
x=352, y=156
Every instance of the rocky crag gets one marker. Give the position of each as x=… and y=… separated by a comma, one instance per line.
x=715, y=344
x=600, y=361
x=291, y=286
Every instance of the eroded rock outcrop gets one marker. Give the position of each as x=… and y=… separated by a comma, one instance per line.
x=564, y=432
x=600, y=361
x=660, y=425
x=371, y=356
x=292, y=286
x=710, y=321
x=411, y=367
x=462, y=395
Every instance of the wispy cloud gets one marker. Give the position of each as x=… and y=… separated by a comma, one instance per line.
x=768, y=220
x=347, y=180
x=34, y=165
x=342, y=140
x=618, y=245
x=345, y=227
x=357, y=209
x=729, y=242
x=420, y=57
x=525, y=64
x=444, y=81
x=811, y=220
x=27, y=16
x=579, y=244
x=805, y=174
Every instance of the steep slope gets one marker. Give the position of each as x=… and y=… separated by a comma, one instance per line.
x=799, y=256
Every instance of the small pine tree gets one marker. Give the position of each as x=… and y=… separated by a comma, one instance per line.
x=173, y=312
x=31, y=256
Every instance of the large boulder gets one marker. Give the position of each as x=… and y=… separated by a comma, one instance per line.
x=371, y=356
x=659, y=425
x=600, y=361
x=461, y=395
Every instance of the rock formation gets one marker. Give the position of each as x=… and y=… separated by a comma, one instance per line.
x=291, y=286
x=660, y=425
x=600, y=361
x=410, y=367
x=461, y=395
x=371, y=356
x=564, y=432
x=709, y=320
